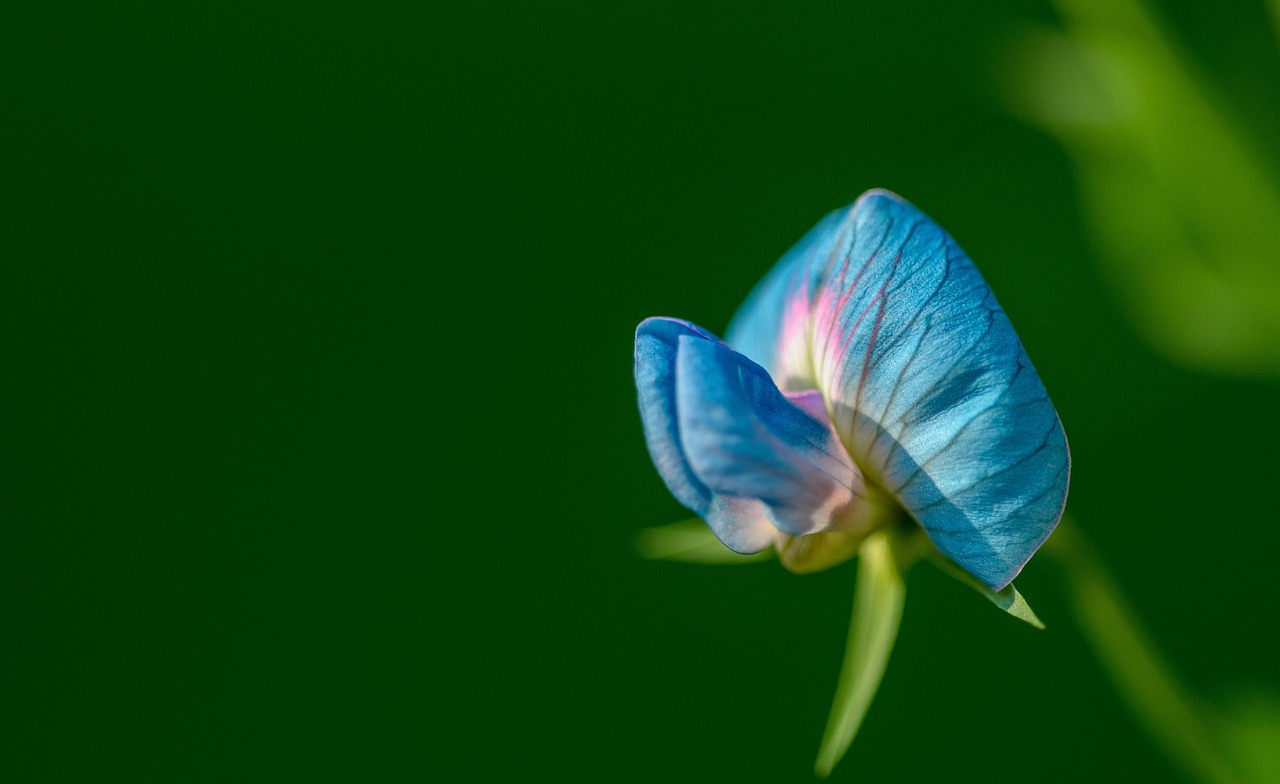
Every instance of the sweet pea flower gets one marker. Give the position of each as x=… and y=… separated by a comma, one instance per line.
x=869, y=380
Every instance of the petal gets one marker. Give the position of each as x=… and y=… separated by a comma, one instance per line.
x=745, y=438
x=928, y=385
x=741, y=523
x=733, y=448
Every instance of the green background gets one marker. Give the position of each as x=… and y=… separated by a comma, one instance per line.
x=322, y=454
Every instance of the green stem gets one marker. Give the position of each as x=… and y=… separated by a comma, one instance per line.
x=1144, y=679
x=877, y=611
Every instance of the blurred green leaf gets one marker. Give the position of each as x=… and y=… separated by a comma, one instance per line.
x=1252, y=727
x=1186, y=216
x=1007, y=599
x=1179, y=721
x=690, y=541
x=877, y=611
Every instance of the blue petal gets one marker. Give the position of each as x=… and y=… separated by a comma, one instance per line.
x=745, y=438
x=741, y=523
x=928, y=384
x=731, y=446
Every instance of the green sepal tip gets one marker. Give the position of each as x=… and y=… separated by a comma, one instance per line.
x=690, y=541
x=1007, y=598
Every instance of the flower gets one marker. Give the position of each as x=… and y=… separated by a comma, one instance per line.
x=870, y=378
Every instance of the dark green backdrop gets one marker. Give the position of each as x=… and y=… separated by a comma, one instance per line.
x=322, y=454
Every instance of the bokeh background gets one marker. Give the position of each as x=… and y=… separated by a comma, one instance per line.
x=323, y=462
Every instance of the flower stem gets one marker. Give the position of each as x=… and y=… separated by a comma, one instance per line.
x=1175, y=719
x=877, y=611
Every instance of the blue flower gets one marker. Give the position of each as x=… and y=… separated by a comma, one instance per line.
x=869, y=379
